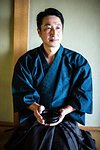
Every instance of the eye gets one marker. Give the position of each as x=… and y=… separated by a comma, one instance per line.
x=58, y=27
x=49, y=27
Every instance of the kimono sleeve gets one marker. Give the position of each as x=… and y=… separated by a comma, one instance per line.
x=24, y=93
x=81, y=89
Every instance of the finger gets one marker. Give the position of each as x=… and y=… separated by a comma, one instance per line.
x=41, y=108
x=41, y=121
x=62, y=112
x=39, y=117
x=53, y=124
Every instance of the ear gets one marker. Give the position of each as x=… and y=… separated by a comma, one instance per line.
x=62, y=29
x=39, y=32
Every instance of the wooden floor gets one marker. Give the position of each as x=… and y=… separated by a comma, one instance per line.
x=5, y=133
x=96, y=136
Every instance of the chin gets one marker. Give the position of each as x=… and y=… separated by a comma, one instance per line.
x=55, y=44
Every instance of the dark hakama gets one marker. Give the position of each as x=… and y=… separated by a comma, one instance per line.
x=64, y=136
x=67, y=81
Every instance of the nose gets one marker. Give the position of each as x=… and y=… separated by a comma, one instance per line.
x=53, y=32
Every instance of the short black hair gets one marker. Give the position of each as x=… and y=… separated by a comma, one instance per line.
x=49, y=12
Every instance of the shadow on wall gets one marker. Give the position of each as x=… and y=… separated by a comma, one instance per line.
x=6, y=60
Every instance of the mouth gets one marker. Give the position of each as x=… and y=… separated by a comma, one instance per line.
x=53, y=40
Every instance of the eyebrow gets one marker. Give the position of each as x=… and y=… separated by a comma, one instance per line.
x=50, y=24
x=47, y=24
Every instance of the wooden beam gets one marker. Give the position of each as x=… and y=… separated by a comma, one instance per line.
x=90, y=128
x=6, y=124
x=96, y=129
x=21, y=15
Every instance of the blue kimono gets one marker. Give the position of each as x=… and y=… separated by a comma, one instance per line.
x=67, y=81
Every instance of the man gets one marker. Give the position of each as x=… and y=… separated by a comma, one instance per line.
x=50, y=31
x=54, y=78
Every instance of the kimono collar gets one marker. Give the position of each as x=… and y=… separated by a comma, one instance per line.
x=48, y=83
x=59, y=53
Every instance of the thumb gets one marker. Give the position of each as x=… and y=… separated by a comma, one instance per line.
x=41, y=108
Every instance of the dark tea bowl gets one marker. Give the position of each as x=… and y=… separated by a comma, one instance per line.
x=50, y=116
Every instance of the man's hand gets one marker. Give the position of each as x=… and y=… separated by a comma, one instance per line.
x=37, y=109
x=63, y=112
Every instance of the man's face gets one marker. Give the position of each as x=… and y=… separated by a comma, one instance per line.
x=51, y=31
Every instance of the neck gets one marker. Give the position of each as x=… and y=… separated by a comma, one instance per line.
x=50, y=51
